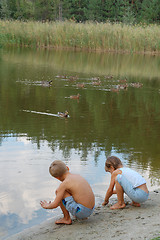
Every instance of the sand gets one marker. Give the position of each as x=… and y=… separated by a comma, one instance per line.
x=128, y=223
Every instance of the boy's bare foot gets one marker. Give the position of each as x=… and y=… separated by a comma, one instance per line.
x=135, y=204
x=118, y=206
x=64, y=221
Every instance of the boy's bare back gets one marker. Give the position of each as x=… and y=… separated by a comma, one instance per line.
x=74, y=193
x=79, y=189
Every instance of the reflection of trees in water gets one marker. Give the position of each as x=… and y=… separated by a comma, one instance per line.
x=63, y=62
x=154, y=177
x=82, y=149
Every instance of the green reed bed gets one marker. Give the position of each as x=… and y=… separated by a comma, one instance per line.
x=90, y=36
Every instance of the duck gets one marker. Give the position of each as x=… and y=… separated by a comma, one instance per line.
x=108, y=76
x=47, y=84
x=75, y=96
x=136, y=85
x=123, y=80
x=96, y=78
x=123, y=86
x=73, y=78
x=63, y=114
x=114, y=89
x=80, y=85
x=97, y=83
x=120, y=87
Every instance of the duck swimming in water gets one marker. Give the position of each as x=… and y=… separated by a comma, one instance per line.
x=73, y=78
x=46, y=84
x=96, y=83
x=108, y=76
x=80, y=85
x=63, y=114
x=75, y=96
x=136, y=85
x=95, y=78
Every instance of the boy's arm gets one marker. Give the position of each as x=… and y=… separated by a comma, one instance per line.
x=110, y=190
x=59, y=196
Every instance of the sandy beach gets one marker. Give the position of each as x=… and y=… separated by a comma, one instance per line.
x=130, y=223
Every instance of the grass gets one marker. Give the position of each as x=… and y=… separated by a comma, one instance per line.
x=85, y=36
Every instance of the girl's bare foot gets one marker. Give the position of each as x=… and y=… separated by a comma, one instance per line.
x=64, y=221
x=118, y=206
x=135, y=204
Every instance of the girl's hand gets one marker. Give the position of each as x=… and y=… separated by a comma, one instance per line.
x=105, y=203
x=44, y=204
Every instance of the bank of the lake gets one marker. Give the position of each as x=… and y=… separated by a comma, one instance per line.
x=88, y=36
x=129, y=223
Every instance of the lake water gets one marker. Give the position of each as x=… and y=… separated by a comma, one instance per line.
x=108, y=119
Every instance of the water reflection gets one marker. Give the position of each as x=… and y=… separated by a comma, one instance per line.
x=102, y=122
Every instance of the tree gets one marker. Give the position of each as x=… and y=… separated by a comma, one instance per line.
x=96, y=10
x=78, y=10
x=150, y=11
x=4, y=9
x=45, y=9
x=127, y=11
x=24, y=9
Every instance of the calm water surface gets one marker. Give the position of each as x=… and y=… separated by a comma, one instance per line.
x=102, y=122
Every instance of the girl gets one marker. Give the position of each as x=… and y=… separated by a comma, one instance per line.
x=126, y=181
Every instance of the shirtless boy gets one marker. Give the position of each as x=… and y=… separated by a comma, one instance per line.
x=125, y=180
x=74, y=195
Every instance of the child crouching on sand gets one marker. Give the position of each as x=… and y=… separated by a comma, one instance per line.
x=126, y=181
x=74, y=195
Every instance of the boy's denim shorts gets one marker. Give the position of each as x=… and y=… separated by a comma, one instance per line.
x=76, y=209
x=135, y=194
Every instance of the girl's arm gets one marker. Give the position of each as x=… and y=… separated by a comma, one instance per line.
x=110, y=190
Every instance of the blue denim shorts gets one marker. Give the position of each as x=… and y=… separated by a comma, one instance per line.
x=76, y=209
x=135, y=194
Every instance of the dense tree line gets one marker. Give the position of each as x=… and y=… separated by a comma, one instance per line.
x=127, y=11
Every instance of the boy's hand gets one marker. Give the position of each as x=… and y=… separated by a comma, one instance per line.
x=44, y=204
x=105, y=203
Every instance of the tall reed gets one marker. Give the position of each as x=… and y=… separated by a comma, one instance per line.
x=90, y=36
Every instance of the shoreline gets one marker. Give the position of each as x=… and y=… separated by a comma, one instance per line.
x=85, y=50
x=129, y=223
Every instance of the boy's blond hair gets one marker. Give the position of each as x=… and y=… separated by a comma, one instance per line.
x=57, y=168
